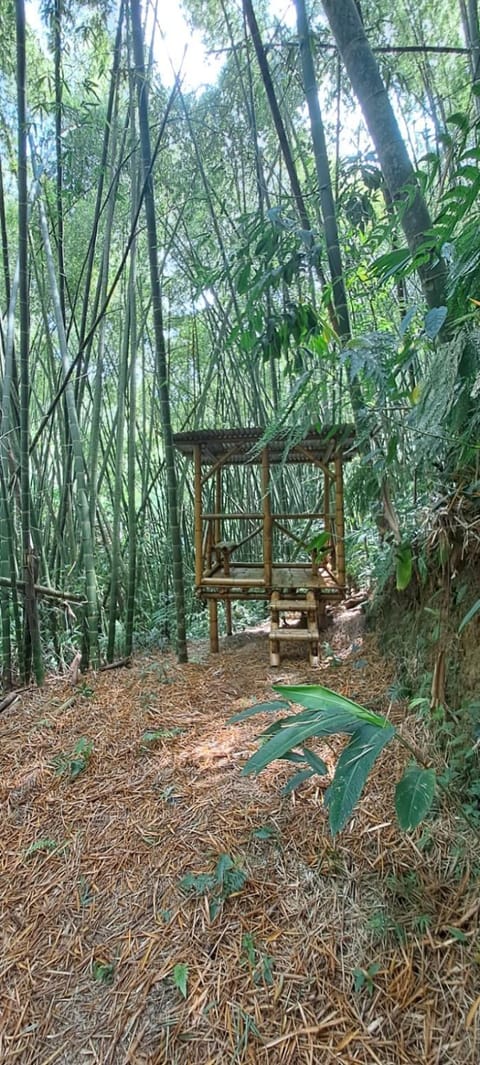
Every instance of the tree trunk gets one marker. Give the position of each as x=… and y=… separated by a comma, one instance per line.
x=362, y=69
x=323, y=174
x=159, y=336
x=32, y=645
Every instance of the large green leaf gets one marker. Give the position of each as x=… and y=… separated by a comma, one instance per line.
x=325, y=723
x=414, y=796
x=259, y=708
x=469, y=616
x=434, y=320
x=296, y=780
x=315, y=762
x=353, y=767
x=316, y=697
x=404, y=561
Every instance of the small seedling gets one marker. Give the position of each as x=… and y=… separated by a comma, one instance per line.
x=85, y=892
x=227, y=879
x=103, y=972
x=46, y=846
x=86, y=690
x=364, y=979
x=265, y=832
x=261, y=964
x=180, y=978
x=330, y=656
x=72, y=765
x=150, y=737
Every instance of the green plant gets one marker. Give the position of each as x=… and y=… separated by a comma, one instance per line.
x=265, y=832
x=85, y=892
x=325, y=714
x=227, y=879
x=153, y=736
x=180, y=978
x=45, y=846
x=363, y=979
x=260, y=963
x=103, y=972
x=72, y=765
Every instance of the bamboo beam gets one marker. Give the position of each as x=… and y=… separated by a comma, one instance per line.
x=310, y=457
x=213, y=516
x=339, y=522
x=218, y=464
x=255, y=516
x=267, y=518
x=197, y=457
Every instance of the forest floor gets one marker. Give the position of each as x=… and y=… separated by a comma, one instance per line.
x=359, y=949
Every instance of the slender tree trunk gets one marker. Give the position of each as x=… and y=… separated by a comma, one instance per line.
x=159, y=336
x=323, y=174
x=32, y=646
x=471, y=31
x=91, y=651
x=362, y=69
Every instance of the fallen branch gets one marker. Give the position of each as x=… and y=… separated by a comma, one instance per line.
x=122, y=663
x=48, y=593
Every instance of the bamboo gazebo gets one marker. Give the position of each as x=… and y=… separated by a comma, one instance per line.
x=292, y=569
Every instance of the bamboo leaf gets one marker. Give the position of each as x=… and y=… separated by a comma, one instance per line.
x=434, y=320
x=180, y=978
x=469, y=616
x=296, y=780
x=316, y=697
x=414, y=796
x=293, y=735
x=258, y=708
x=315, y=762
x=404, y=566
x=353, y=767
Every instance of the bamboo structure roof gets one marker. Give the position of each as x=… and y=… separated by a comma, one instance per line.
x=241, y=445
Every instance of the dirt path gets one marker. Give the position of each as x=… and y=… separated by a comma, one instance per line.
x=362, y=949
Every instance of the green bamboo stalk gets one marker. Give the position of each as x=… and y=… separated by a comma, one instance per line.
x=160, y=349
x=32, y=653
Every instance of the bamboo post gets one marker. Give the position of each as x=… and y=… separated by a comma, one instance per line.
x=213, y=612
x=339, y=521
x=218, y=505
x=328, y=515
x=267, y=520
x=197, y=456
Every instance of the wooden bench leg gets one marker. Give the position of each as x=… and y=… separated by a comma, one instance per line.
x=213, y=613
x=228, y=616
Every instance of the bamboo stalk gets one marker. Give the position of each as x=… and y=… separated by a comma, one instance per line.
x=267, y=519
x=197, y=457
x=213, y=612
x=339, y=521
x=218, y=505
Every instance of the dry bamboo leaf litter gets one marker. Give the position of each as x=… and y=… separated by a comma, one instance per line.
x=95, y=920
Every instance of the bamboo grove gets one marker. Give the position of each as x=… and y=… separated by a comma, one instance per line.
x=295, y=242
